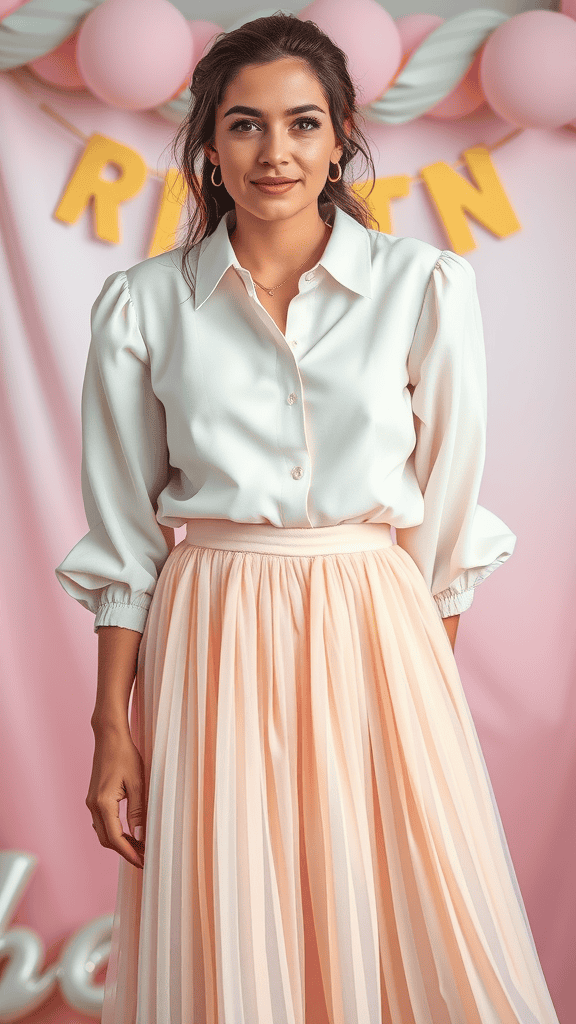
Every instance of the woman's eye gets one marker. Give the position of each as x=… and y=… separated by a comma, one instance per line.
x=309, y=120
x=238, y=126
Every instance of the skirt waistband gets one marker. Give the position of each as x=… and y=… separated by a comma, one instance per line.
x=265, y=538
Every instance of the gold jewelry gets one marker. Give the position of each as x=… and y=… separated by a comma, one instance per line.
x=272, y=290
x=339, y=173
x=216, y=183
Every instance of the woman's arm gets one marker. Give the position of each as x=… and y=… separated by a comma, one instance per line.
x=117, y=769
x=117, y=658
x=458, y=542
x=451, y=625
x=169, y=535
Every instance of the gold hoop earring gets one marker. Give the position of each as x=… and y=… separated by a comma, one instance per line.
x=339, y=173
x=216, y=183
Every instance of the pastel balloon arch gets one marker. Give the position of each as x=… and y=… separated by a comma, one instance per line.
x=140, y=54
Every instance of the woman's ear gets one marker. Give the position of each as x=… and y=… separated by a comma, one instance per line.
x=339, y=148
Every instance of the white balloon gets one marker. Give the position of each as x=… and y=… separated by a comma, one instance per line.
x=79, y=962
x=22, y=987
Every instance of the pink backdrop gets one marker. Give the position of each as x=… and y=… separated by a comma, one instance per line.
x=516, y=646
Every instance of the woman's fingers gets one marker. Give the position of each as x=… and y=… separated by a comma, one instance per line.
x=116, y=838
x=98, y=825
x=135, y=811
x=101, y=833
x=117, y=774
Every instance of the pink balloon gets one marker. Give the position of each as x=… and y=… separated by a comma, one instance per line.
x=413, y=29
x=8, y=6
x=134, y=54
x=203, y=33
x=368, y=36
x=568, y=7
x=528, y=69
x=59, y=67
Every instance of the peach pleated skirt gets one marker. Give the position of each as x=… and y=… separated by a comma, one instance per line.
x=322, y=841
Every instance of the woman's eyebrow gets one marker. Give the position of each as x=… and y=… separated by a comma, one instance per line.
x=254, y=112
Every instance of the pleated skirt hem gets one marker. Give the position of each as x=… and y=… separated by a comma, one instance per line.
x=322, y=841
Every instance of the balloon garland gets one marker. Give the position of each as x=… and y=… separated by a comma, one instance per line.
x=37, y=27
x=524, y=66
x=435, y=67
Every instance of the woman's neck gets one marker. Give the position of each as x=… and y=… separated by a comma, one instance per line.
x=270, y=249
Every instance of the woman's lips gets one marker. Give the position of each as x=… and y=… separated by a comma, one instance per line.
x=274, y=190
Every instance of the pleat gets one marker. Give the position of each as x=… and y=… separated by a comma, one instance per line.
x=322, y=841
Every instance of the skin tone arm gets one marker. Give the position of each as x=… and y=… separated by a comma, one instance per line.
x=117, y=770
x=451, y=626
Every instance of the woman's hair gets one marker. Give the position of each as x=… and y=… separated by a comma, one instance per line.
x=260, y=42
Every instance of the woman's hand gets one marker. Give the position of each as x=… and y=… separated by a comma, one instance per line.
x=117, y=773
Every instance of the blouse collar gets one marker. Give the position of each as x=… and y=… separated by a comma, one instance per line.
x=347, y=255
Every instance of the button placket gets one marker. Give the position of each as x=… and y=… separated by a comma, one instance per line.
x=297, y=448
x=300, y=472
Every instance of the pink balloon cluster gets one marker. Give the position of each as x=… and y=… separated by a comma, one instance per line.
x=526, y=69
x=132, y=54
x=139, y=54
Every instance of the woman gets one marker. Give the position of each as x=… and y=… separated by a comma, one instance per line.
x=322, y=844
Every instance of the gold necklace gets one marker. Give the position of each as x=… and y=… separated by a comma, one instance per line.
x=271, y=291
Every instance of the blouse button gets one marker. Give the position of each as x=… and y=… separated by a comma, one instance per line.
x=309, y=276
x=297, y=472
x=292, y=398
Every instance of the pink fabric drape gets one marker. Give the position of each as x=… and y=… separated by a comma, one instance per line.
x=516, y=646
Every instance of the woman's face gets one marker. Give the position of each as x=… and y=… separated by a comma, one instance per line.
x=266, y=138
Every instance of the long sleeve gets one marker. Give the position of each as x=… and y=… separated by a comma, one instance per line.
x=459, y=543
x=112, y=571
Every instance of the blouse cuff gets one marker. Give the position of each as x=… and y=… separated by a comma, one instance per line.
x=459, y=596
x=452, y=602
x=120, y=613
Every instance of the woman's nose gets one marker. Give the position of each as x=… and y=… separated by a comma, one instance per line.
x=274, y=147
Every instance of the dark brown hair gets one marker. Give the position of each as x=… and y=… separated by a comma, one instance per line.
x=260, y=42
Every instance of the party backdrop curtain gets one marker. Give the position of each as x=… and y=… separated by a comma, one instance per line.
x=516, y=647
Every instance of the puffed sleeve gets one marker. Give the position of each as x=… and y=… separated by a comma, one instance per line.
x=112, y=571
x=459, y=543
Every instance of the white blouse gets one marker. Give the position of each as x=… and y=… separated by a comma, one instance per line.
x=371, y=409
